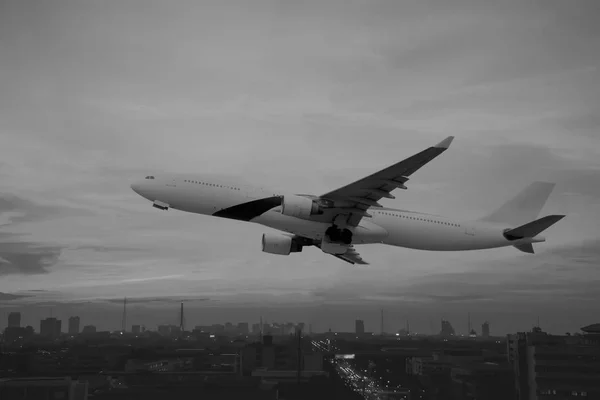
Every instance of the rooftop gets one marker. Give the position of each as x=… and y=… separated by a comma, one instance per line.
x=594, y=328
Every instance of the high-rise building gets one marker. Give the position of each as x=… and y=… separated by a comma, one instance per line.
x=73, y=325
x=552, y=367
x=485, y=329
x=14, y=320
x=359, y=327
x=88, y=329
x=242, y=328
x=255, y=329
x=50, y=327
x=164, y=330
x=447, y=329
x=136, y=329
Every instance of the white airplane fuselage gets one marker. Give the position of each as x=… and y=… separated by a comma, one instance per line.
x=209, y=196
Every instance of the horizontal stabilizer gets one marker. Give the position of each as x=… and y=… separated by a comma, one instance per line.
x=532, y=229
x=525, y=248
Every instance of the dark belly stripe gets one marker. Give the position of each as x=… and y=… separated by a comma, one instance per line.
x=250, y=210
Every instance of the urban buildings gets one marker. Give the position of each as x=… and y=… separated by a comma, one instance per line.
x=485, y=330
x=43, y=388
x=88, y=329
x=14, y=320
x=359, y=327
x=50, y=327
x=550, y=367
x=242, y=328
x=447, y=329
x=136, y=329
x=73, y=325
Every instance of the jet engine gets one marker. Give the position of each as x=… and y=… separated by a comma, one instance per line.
x=300, y=207
x=280, y=244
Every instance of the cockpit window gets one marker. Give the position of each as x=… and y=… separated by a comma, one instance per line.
x=150, y=177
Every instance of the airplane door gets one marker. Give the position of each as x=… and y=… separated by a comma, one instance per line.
x=469, y=231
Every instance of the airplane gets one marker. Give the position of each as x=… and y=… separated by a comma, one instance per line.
x=337, y=221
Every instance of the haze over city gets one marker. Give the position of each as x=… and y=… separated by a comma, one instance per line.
x=300, y=98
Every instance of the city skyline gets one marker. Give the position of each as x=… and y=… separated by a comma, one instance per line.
x=96, y=97
x=372, y=322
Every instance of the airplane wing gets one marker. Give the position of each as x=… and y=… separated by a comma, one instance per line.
x=358, y=196
x=351, y=256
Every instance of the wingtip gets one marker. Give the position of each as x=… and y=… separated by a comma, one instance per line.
x=444, y=144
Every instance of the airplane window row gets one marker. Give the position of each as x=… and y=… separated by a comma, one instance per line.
x=150, y=177
x=212, y=184
x=421, y=219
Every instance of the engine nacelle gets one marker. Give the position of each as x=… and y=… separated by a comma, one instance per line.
x=299, y=207
x=280, y=244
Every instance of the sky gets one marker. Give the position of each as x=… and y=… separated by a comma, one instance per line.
x=303, y=97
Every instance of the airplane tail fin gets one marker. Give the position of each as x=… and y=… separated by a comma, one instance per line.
x=524, y=207
x=531, y=230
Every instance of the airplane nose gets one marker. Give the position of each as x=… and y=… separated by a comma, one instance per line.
x=136, y=187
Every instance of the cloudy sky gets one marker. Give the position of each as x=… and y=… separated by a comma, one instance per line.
x=306, y=97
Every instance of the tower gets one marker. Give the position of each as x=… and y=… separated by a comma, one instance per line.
x=468, y=324
x=124, y=320
x=73, y=325
x=14, y=320
x=382, y=322
x=485, y=329
x=181, y=319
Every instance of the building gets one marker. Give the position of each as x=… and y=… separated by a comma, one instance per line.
x=43, y=388
x=485, y=330
x=255, y=329
x=51, y=327
x=359, y=327
x=550, y=367
x=136, y=329
x=242, y=328
x=73, y=325
x=483, y=381
x=447, y=329
x=13, y=334
x=14, y=320
x=88, y=329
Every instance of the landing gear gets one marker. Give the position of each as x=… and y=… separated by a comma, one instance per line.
x=338, y=235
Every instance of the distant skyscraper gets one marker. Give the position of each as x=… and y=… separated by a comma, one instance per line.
x=73, y=325
x=89, y=329
x=242, y=328
x=50, y=327
x=447, y=329
x=14, y=320
x=164, y=330
x=136, y=329
x=255, y=329
x=359, y=327
x=485, y=329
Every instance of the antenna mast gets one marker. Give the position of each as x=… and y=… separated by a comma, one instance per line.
x=181, y=319
x=124, y=320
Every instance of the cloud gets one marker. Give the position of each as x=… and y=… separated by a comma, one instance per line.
x=27, y=258
x=10, y=296
x=144, y=300
x=24, y=210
